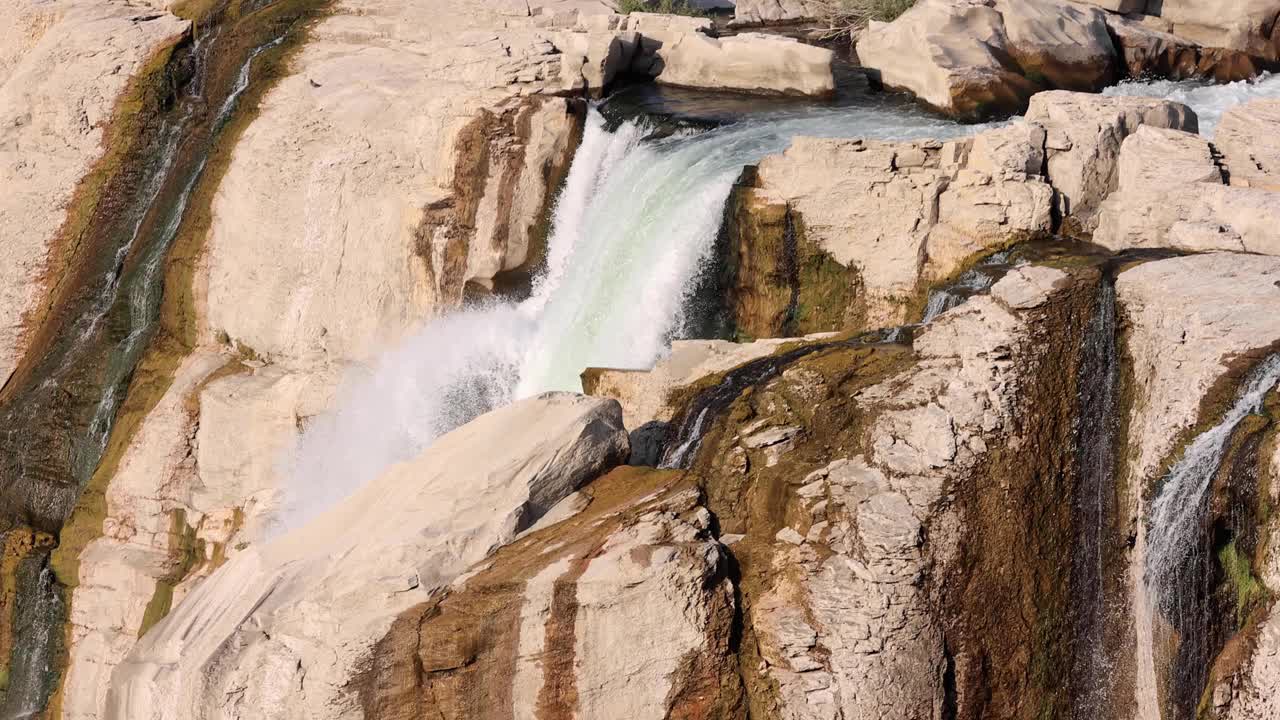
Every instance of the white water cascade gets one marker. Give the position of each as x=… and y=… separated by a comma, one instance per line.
x=1208, y=100
x=634, y=226
x=1175, y=514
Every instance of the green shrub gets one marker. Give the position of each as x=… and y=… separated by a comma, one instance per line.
x=669, y=7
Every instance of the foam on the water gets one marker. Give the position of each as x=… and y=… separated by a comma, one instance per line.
x=1208, y=100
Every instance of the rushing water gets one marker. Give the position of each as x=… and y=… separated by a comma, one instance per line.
x=1174, y=523
x=1092, y=505
x=1209, y=101
x=634, y=226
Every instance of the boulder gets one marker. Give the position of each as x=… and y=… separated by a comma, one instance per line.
x=1249, y=26
x=1248, y=137
x=948, y=54
x=749, y=62
x=70, y=73
x=313, y=602
x=1149, y=50
x=623, y=610
x=981, y=58
x=1171, y=194
x=1083, y=138
x=754, y=13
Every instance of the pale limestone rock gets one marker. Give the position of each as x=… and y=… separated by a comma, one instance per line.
x=1171, y=195
x=977, y=58
x=63, y=68
x=947, y=53
x=1084, y=136
x=200, y=470
x=1245, y=25
x=1027, y=287
x=623, y=611
x=750, y=62
x=312, y=603
x=776, y=12
x=121, y=572
x=647, y=395
x=1249, y=138
x=1154, y=158
x=907, y=213
x=844, y=628
x=1189, y=318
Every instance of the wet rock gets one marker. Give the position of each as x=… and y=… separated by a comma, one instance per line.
x=67, y=71
x=981, y=58
x=1148, y=49
x=649, y=395
x=1248, y=26
x=313, y=602
x=621, y=611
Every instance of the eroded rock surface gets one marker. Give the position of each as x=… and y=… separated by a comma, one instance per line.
x=312, y=603
x=1171, y=192
x=68, y=71
x=869, y=225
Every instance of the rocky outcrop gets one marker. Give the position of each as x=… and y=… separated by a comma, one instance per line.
x=1196, y=326
x=1149, y=49
x=755, y=13
x=1249, y=26
x=982, y=58
x=1083, y=141
x=907, y=215
x=848, y=610
x=749, y=62
x=1249, y=139
x=657, y=394
x=71, y=79
x=625, y=610
x=312, y=603
x=1171, y=191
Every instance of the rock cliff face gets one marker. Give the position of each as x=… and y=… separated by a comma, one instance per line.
x=71, y=74
x=281, y=629
x=850, y=235
x=851, y=519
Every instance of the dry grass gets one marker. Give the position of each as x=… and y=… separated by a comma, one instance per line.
x=849, y=17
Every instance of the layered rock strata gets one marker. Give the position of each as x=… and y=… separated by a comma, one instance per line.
x=283, y=627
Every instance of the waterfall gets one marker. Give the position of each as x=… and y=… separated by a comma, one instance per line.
x=37, y=627
x=632, y=230
x=1176, y=511
x=1172, y=533
x=1207, y=99
x=1093, y=505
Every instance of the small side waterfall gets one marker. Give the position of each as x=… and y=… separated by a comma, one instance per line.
x=1175, y=513
x=33, y=670
x=1175, y=619
x=1093, y=507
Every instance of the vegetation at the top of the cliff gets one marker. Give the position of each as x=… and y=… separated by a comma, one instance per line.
x=848, y=17
x=668, y=7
